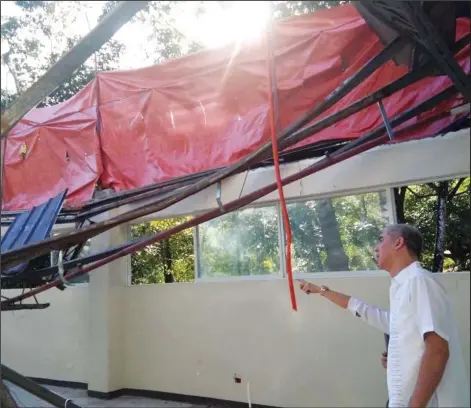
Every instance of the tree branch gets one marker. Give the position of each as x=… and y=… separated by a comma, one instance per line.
x=455, y=189
x=6, y=60
x=434, y=187
x=420, y=196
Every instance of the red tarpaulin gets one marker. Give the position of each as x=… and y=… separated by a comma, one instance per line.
x=205, y=110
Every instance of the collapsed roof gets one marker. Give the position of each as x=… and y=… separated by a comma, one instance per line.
x=128, y=129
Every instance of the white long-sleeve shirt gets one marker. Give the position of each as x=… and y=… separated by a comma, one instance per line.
x=418, y=305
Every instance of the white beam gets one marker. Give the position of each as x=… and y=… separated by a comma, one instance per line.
x=417, y=161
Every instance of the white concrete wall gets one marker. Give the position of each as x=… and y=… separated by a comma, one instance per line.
x=192, y=339
x=50, y=343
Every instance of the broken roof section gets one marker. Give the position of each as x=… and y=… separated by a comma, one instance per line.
x=207, y=110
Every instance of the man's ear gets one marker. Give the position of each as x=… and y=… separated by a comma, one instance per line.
x=399, y=243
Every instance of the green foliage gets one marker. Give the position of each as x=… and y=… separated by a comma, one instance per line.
x=170, y=260
x=284, y=9
x=6, y=99
x=358, y=219
x=37, y=38
x=247, y=242
x=420, y=210
x=165, y=41
x=241, y=243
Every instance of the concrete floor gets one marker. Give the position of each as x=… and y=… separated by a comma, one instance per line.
x=79, y=397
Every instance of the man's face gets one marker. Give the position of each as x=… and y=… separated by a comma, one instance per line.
x=385, y=249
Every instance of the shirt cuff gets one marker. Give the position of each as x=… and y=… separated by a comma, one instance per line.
x=353, y=305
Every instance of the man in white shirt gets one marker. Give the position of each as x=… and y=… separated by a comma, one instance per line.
x=425, y=366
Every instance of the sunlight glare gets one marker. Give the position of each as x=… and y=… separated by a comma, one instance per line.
x=235, y=22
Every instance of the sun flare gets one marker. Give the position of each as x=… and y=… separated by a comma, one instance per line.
x=224, y=23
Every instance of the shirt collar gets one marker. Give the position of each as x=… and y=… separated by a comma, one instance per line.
x=406, y=272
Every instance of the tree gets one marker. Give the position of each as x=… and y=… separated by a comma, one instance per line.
x=167, y=261
x=244, y=242
x=441, y=212
x=164, y=41
x=7, y=99
x=284, y=9
x=336, y=260
x=38, y=38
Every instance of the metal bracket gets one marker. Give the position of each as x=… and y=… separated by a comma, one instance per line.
x=218, y=197
x=387, y=124
x=60, y=268
x=25, y=306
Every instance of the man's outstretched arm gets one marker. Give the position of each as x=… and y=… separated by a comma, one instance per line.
x=374, y=316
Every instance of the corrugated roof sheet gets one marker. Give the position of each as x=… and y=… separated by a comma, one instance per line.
x=32, y=226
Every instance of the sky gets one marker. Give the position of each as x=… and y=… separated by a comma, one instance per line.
x=216, y=27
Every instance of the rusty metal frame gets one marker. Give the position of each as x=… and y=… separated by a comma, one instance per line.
x=408, y=19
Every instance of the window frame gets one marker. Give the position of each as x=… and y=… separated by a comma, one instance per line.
x=388, y=189
x=390, y=206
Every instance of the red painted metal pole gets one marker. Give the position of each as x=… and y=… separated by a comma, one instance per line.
x=273, y=117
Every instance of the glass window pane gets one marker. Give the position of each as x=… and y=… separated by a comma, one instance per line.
x=337, y=234
x=240, y=243
x=167, y=261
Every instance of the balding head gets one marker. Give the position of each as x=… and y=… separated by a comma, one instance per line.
x=412, y=237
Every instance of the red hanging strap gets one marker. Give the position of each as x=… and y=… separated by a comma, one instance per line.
x=272, y=93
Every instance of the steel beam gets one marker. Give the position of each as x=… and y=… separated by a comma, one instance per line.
x=408, y=19
x=36, y=389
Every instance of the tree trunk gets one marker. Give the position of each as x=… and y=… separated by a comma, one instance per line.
x=6, y=400
x=364, y=215
x=399, y=198
x=438, y=257
x=337, y=260
x=167, y=261
x=383, y=205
